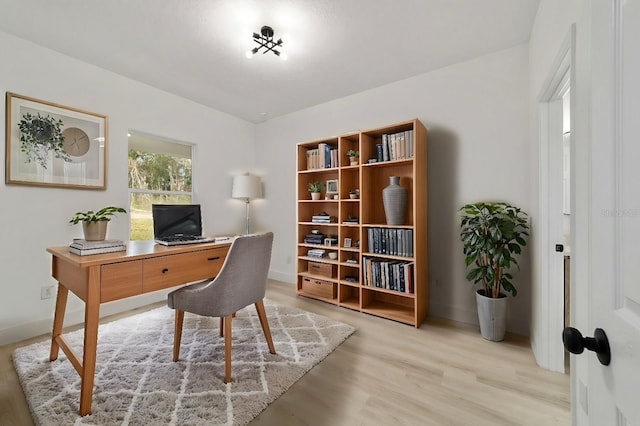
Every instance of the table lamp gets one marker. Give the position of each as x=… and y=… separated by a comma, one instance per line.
x=246, y=187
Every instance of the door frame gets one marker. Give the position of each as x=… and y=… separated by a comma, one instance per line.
x=548, y=304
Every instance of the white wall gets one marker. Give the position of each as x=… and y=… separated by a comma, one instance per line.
x=552, y=25
x=33, y=218
x=476, y=112
x=477, y=117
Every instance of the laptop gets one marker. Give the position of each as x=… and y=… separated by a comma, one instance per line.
x=177, y=224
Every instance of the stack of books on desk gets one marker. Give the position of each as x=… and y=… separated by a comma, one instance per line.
x=84, y=247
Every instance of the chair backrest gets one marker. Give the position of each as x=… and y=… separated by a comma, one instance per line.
x=242, y=279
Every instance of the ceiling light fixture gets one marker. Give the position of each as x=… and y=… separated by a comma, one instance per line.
x=265, y=39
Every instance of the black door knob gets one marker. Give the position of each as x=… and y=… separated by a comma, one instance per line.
x=576, y=344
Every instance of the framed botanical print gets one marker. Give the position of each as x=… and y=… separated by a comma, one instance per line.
x=48, y=144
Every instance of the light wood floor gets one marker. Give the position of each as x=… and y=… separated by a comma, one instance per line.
x=388, y=373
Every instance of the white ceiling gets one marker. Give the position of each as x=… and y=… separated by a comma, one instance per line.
x=195, y=48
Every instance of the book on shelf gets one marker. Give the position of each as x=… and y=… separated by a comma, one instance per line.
x=395, y=146
x=80, y=243
x=319, y=253
x=323, y=157
x=390, y=241
x=96, y=250
x=334, y=157
x=314, y=238
x=323, y=219
x=395, y=275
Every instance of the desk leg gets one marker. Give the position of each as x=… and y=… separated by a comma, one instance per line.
x=91, y=319
x=58, y=320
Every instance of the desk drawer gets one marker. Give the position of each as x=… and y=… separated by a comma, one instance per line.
x=120, y=280
x=167, y=271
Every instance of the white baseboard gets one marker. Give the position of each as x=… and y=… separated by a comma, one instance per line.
x=281, y=276
x=43, y=326
x=514, y=325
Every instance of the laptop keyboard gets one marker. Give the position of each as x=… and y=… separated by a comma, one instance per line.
x=179, y=238
x=183, y=239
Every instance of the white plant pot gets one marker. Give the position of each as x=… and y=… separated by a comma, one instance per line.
x=492, y=316
x=315, y=195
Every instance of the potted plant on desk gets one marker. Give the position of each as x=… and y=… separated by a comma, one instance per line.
x=94, y=224
x=492, y=234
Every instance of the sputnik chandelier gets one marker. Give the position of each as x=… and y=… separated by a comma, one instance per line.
x=265, y=39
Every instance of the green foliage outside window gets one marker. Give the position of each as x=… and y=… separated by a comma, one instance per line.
x=155, y=179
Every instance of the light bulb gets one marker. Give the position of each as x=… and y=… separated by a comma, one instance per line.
x=283, y=56
x=249, y=54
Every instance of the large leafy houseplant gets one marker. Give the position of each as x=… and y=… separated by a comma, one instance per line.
x=39, y=135
x=492, y=235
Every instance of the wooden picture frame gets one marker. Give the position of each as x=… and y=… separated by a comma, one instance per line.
x=48, y=144
x=331, y=186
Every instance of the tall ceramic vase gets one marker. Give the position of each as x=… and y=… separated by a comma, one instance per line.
x=394, y=198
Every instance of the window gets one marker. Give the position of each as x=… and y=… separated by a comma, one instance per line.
x=159, y=173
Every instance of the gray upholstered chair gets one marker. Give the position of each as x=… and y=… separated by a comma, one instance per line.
x=240, y=282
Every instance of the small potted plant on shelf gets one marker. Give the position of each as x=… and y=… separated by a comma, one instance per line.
x=492, y=234
x=94, y=224
x=354, y=194
x=353, y=157
x=315, y=188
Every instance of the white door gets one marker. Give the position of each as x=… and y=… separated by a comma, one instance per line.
x=612, y=128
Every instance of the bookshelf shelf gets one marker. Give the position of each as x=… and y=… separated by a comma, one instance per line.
x=401, y=151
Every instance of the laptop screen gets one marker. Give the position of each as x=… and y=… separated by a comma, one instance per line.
x=170, y=220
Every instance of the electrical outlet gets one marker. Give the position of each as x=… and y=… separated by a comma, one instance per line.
x=47, y=292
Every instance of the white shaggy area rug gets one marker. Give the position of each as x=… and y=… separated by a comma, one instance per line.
x=137, y=383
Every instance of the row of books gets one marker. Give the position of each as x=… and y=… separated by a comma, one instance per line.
x=83, y=247
x=391, y=241
x=396, y=146
x=323, y=157
x=396, y=275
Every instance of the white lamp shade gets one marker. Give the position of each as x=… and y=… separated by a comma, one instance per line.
x=246, y=187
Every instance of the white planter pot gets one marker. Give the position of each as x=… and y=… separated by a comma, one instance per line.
x=492, y=315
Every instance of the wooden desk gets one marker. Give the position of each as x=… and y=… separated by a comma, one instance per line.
x=99, y=278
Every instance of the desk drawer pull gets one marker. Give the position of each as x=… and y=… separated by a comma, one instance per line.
x=214, y=258
x=165, y=270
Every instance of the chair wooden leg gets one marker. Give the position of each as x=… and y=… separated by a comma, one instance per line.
x=177, y=334
x=265, y=325
x=227, y=348
x=221, y=326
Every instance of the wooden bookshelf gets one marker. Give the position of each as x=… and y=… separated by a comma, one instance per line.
x=354, y=288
